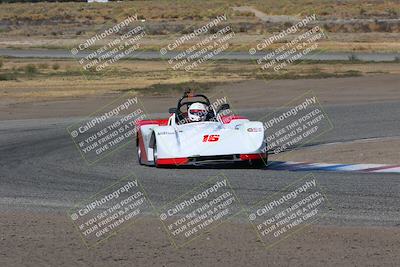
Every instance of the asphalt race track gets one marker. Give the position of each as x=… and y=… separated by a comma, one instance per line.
x=40, y=169
x=371, y=56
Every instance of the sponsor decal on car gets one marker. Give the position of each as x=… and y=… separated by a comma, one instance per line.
x=165, y=133
x=252, y=130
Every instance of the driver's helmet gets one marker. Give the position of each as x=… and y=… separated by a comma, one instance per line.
x=197, y=112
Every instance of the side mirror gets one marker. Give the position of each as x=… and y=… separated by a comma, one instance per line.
x=172, y=110
x=223, y=107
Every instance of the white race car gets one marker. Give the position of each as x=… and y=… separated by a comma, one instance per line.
x=197, y=133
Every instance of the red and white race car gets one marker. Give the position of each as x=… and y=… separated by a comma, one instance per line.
x=196, y=133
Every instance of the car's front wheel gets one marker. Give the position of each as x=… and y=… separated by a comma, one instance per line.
x=139, y=152
x=153, y=142
x=155, y=155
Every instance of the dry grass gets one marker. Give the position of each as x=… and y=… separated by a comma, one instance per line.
x=69, y=80
x=371, y=42
x=64, y=25
x=192, y=9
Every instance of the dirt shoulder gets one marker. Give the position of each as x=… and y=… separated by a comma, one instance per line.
x=250, y=94
x=49, y=239
x=330, y=91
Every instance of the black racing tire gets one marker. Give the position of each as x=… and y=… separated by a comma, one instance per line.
x=139, y=152
x=261, y=163
x=155, y=154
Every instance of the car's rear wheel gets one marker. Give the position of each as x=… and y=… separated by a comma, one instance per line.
x=259, y=163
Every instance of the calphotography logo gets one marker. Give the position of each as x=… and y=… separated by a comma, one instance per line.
x=305, y=41
x=299, y=122
x=117, y=206
x=108, y=129
x=209, y=41
x=200, y=210
x=288, y=211
x=109, y=46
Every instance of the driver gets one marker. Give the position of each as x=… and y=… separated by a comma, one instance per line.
x=197, y=112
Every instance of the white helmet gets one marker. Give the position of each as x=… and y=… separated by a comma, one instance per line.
x=197, y=112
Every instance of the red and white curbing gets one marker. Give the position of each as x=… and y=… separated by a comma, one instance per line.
x=305, y=166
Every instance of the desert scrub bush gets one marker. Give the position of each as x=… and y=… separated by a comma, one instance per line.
x=7, y=76
x=43, y=66
x=31, y=69
x=55, y=66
